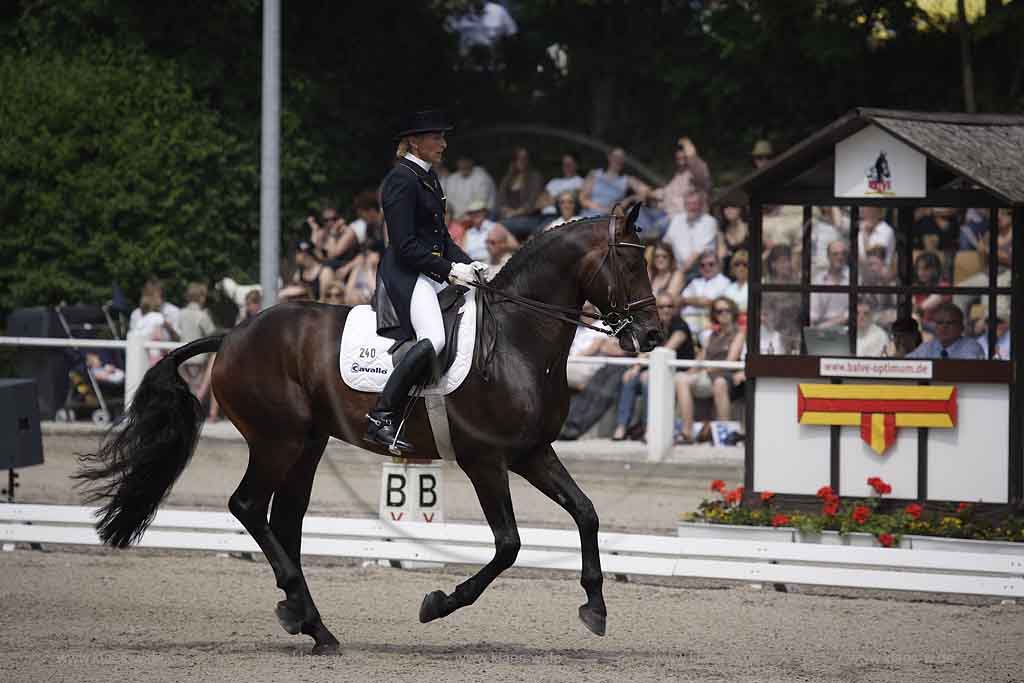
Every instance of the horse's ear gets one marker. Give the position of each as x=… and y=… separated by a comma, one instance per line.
x=632, y=216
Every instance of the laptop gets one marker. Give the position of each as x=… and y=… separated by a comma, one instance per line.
x=827, y=341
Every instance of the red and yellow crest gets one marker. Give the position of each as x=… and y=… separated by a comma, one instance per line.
x=879, y=409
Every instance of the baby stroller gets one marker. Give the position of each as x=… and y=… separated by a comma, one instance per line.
x=95, y=375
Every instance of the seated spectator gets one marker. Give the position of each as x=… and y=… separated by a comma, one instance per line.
x=733, y=235
x=875, y=231
x=101, y=371
x=771, y=342
x=828, y=225
x=369, y=223
x=474, y=238
x=634, y=381
x=871, y=339
x=906, y=336
x=570, y=181
x=830, y=309
x=665, y=277
x=587, y=342
x=725, y=343
x=606, y=187
x=778, y=266
x=691, y=174
x=318, y=229
x=253, y=304
x=362, y=279
x=195, y=323
x=310, y=278
x=154, y=288
x=949, y=341
x=1002, y=351
x=469, y=184
x=974, y=228
x=517, y=196
x=568, y=210
x=782, y=225
x=698, y=296
x=737, y=289
x=334, y=293
x=1004, y=241
x=501, y=244
x=692, y=233
x=936, y=230
x=927, y=273
x=340, y=246
x=761, y=154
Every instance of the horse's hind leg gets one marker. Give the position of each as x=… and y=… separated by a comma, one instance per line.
x=491, y=483
x=270, y=463
x=545, y=471
x=297, y=612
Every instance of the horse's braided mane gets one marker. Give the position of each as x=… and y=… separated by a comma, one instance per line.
x=524, y=260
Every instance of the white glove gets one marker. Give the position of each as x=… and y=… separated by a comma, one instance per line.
x=462, y=272
x=478, y=266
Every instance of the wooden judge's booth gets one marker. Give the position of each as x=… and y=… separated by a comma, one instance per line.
x=831, y=401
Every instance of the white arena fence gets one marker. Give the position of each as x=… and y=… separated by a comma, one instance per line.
x=661, y=364
x=643, y=555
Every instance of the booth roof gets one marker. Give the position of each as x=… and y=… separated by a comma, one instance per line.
x=986, y=150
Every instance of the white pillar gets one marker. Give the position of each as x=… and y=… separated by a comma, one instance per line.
x=136, y=363
x=270, y=144
x=660, y=403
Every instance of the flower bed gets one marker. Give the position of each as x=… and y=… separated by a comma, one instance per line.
x=856, y=522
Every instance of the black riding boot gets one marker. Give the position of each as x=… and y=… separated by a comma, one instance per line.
x=384, y=419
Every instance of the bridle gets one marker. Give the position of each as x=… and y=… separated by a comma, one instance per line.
x=617, y=318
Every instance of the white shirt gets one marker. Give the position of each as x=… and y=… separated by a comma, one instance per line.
x=557, y=186
x=704, y=288
x=738, y=293
x=474, y=242
x=827, y=305
x=688, y=239
x=462, y=191
x=872, y=342
x=584, y=338
x=425, y=165
x=883, y=235
x=168, y=311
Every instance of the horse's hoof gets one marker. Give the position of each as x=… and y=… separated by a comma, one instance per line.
x=326, y=649
x=433, y=606
x=597, y=623
x=288, y=619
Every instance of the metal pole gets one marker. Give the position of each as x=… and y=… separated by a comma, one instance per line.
x=270, y=172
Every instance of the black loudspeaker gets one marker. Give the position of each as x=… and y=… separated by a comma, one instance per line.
x=21, y=443
x=48, y=366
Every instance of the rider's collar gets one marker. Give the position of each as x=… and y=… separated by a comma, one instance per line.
x=425, y=165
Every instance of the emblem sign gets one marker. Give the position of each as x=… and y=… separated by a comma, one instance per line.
x=873, y=164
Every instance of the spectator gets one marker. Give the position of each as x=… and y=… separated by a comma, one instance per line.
x=949, y=341
x=587, y=342
x=600, y=390
x=832, y=309
x=474, y=238
x=927, y=273
x=606, y=187
x=692, y=233
x=874, y=273
x=152, y=324
x=362, y=279
x=469, y=184
x=665, y=277
x=702, y=291
x=318, y=229
x=1002, y=351
x=725, y=343
x=871, y=339
x=974, y=227
x=733, y=235
x=737, y=289
x=905, y=337
x=153, y=287
x=369, y=223
x=568, y=210
x=772, y=342
x=501, y=244
x=778, y=267
x=340, y=246
x=253, y=304
x=634, y=381
x=334, y=293
x=828, y=225
x=195, y=323
x=570, y=181
x=761, y=155
x=517, y=195
x=937, y=230
x=691, y=174
x=1004, y=240
x=783, y=225
x=101, y=371
x=875, y=231
x=310, y=278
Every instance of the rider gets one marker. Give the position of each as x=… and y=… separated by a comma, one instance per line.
x=419, y=259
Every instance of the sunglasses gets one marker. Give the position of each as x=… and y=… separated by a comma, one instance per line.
x=719, y=311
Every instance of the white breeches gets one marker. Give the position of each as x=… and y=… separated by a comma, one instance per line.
x=425, y=312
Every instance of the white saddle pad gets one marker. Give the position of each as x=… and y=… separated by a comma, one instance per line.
x=366, y=364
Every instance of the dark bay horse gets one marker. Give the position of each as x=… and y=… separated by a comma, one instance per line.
x=278, y=381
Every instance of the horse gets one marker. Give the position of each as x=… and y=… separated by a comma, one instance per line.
x=277, y=379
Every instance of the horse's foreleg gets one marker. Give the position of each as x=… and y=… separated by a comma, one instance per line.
x=490, y=480
x=297, y=612
x=545, y=471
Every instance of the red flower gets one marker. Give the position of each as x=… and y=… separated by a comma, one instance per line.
x=861, y=514
x=766, y=496
x=718, y=485
x=831, y=506
x=780, y=520
x=879, y=486
x=886, y=540
x=914, y=510
x=825, y=492
x=963, y=507
x=733, y=497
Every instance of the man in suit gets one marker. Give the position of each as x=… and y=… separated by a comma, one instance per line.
x=419, y=261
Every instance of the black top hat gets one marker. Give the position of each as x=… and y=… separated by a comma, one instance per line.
x=426, y=121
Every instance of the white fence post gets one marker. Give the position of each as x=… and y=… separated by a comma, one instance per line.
x=660, y=403
x=136, y=362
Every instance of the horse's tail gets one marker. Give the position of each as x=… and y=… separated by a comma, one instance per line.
x=142, y=456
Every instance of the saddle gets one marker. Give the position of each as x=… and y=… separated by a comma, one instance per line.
x=451, y=299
